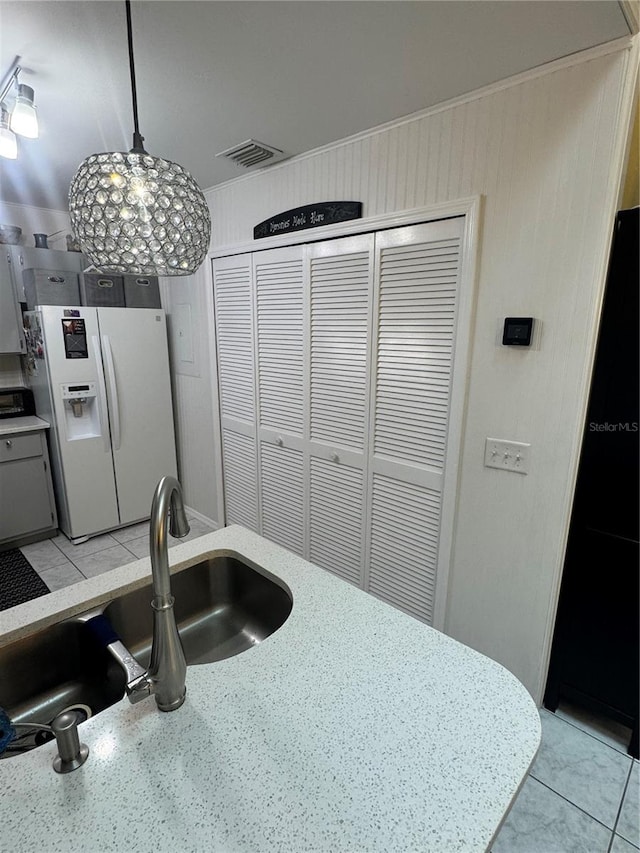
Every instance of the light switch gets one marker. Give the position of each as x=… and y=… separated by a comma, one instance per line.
x=507, y=455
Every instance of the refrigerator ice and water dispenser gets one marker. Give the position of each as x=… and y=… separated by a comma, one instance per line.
x=82, y=419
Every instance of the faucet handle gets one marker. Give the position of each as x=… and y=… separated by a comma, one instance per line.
x=139, y=688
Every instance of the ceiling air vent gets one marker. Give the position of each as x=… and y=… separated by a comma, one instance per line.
x=253, y=154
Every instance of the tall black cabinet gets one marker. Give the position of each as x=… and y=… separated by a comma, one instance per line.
x=594, y=659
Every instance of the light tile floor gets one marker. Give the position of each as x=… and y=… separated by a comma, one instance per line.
x=60, y=563
x=582, y=794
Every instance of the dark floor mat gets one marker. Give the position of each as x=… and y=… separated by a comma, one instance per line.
x=18, y=581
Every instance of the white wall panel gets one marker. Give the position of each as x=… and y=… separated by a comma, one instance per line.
x=37, y=220
x=192, y=394
x=542, y=153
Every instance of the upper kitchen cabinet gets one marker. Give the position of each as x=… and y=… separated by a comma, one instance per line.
x=28, y=257
x=11, y=335
x=14, y=260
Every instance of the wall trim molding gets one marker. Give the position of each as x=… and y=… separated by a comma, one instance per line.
x=471, y=209
x=47, y=210
x=216, y=437
x=631, y=12
x=205, y=519
x=615, y=46
x=616, y=171
x=457, y=421
x=442, y=210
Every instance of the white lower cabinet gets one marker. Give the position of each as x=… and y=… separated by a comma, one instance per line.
x=335, y=363
x=27, y=506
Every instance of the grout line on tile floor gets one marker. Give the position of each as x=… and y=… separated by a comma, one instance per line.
x=618, y=749
x=562, y=797
x=619, y=812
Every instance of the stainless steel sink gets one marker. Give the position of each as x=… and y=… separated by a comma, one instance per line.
x=222, y=606
x=60, y=668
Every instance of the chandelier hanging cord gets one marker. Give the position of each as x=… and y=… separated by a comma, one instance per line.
x=138, y=139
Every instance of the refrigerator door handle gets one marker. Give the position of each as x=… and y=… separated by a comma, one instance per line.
x=113, y=391
x=102, y=394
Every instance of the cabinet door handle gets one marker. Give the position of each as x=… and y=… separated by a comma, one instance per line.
x=335, y=457
x=279, y=441
x=56, y=279
x=9, y=443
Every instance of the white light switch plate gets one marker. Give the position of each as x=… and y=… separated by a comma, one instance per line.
x=507, y=455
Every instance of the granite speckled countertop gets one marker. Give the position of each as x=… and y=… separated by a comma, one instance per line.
x=353, y=728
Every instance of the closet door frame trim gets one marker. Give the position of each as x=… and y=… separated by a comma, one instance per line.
x=471, y=209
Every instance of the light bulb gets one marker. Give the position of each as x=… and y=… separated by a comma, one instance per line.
x=23, y=117
x=8, y=144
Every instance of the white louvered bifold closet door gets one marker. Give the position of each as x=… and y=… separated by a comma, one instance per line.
x=335, y=364
x=340, y=304
x=279, y=278
x=234, y=312
x=418, y=274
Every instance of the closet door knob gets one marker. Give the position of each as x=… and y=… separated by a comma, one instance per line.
x=279, y=441
x=335, y=457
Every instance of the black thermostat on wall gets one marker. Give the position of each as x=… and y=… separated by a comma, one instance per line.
x=517, y=331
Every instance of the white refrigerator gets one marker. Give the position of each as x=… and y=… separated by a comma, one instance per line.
x=100, y=376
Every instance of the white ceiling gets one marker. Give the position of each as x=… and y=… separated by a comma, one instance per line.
x=295, y=75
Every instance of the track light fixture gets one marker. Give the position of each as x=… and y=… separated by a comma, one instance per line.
x=21, y=119
x=135, y=213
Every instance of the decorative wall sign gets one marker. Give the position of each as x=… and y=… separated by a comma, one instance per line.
x=308, y=216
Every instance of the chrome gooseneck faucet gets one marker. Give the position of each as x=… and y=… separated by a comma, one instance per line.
x=167, y=671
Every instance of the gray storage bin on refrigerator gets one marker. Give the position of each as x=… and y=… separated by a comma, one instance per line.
x=50, y=287
x=141, y=291
x=101, y=290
